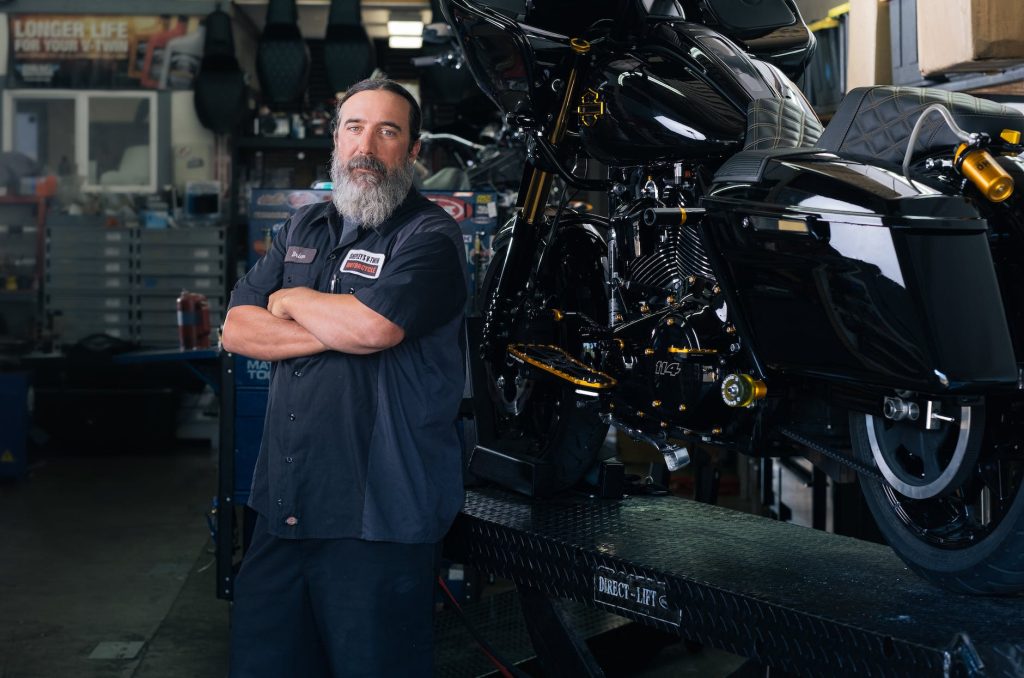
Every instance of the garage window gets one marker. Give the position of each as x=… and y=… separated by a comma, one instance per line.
x=107, y=138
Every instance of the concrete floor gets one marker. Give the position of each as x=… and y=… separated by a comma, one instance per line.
x=110, y=556
x=106, y=571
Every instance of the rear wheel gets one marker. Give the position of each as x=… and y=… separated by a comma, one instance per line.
x=951, y=505
x=535, y=415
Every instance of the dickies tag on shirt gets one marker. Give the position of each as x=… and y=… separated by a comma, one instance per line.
x=363, y=263
x=300, y=255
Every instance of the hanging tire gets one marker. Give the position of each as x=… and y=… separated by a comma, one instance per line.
x=951, y=504
x=539, y=416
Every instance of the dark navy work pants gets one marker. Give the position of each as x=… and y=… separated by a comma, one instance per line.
x=306, y=608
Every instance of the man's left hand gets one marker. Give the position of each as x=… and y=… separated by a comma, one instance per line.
x=278, y=302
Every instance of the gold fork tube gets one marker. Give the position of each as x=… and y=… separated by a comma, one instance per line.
x=540, y=181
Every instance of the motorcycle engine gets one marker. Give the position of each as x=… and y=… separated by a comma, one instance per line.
x=670, y=257
x=684, y=364
x=682, y=344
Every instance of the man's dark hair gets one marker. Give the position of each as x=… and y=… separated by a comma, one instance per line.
x=415, y=116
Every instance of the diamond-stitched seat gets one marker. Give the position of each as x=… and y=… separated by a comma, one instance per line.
x=873, y=124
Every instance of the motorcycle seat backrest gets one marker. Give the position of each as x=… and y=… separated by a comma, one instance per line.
x=780, y=123
x=873, y=124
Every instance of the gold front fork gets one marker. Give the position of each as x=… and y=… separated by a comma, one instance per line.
x=540, y=181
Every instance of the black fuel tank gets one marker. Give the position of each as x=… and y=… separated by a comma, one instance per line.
x=681, y=95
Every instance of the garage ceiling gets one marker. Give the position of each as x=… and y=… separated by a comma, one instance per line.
x=313, y=14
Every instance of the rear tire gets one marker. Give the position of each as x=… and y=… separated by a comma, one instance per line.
x=969, y=539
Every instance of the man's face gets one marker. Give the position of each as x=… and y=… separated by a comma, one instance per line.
x=374, y=125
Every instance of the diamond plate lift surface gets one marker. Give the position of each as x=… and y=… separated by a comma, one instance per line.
x=792, y=598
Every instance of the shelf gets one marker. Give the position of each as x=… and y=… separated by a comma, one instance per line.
x=18, y=295
x=964, y=80
x=283, y=143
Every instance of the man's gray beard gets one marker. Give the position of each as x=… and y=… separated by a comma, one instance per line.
x=365, y=198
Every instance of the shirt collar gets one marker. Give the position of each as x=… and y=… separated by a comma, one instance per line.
x=412, y=200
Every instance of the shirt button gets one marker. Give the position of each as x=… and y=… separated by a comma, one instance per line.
x=297, y=373
x=288, y=460
x=291, y=417
x=291, y=520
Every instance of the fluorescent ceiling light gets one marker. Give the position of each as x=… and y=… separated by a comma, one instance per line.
x=405, y=41
x=405, y=27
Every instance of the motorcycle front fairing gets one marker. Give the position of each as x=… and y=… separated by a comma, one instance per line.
x=850, y=272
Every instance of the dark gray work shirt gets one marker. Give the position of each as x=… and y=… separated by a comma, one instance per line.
x=365, y=446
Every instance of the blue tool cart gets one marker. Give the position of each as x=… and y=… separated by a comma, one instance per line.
x=14, y=422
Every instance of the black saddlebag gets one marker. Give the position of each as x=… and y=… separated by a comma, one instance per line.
x=850, y=272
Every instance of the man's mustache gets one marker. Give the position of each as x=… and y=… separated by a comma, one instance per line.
x=367, y=162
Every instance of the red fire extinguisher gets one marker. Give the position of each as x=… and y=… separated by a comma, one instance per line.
x=186, y=320
x=193, y=320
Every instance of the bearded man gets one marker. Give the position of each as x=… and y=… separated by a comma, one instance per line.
x=359, y=303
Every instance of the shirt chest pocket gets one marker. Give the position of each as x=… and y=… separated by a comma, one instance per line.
x=346, y=283
x=357, y=270
x=299, y=275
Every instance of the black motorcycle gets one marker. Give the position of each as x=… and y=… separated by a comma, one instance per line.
x=758, y=283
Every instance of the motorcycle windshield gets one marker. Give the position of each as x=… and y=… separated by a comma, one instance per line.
x=498, y=54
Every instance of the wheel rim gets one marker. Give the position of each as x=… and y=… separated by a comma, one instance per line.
x=921, y=464
x=967, y=514
x=965, y=517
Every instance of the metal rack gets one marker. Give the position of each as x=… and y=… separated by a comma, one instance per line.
x=169, y=261
x=89, y=279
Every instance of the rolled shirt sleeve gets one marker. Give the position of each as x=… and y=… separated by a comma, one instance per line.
x=265, y=278
x=422, y=287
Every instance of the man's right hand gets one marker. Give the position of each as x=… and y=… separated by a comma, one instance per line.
x=277, y=302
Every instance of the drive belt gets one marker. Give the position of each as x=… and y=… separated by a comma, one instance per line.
x=861, y=468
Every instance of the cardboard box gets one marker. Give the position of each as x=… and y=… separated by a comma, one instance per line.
x=953, y=32
x=869, y=49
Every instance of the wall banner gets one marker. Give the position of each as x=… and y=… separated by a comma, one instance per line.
x=103, y=51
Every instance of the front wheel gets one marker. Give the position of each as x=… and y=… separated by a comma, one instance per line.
x=951, y=504
x=540, y=417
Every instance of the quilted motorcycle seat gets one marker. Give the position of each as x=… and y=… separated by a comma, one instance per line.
x=282, y=56
x=348, y=53
x=348, y=56
x=874, y=123
x=219, y=88
x=780, y=123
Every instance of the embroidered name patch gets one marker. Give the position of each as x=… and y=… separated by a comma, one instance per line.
x=300, y=255
x=361, y=262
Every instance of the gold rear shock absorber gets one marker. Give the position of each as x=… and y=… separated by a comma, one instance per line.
x=981, y=168
x=540, y=181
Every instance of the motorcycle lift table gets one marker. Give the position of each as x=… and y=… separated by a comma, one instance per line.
x=794, y=599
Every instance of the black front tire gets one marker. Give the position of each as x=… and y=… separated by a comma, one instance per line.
x=548, y=423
